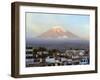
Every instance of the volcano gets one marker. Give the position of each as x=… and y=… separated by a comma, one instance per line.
x=58, y=33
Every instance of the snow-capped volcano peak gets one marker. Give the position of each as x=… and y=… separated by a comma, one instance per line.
x=57, y=32
x=58, y=29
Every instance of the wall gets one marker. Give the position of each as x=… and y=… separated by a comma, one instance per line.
x=5, y=40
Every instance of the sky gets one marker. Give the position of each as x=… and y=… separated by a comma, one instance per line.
x=37, y=23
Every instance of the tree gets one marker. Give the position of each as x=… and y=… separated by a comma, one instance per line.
x=54, y=52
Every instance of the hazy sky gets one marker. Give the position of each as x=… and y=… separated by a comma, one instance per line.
x=37, y=23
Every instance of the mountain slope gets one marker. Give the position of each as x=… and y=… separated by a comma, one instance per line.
x=57, y=33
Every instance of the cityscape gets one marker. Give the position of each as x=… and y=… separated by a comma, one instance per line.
x=37, y=57
x=56, y=39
